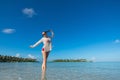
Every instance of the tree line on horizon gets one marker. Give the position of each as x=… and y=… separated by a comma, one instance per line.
x=72, y=60
x=15, y=59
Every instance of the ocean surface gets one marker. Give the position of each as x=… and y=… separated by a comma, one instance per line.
x=61, y=71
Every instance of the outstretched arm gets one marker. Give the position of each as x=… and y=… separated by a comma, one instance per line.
x=37, y=43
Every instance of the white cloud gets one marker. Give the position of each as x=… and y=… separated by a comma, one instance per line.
x=17, y=55
x=117, y=41
x=31, y=56
x=30, y=12
x=8, y=31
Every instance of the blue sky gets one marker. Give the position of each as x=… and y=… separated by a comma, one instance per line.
x=83, y=28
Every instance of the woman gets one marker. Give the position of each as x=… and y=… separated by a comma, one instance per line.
x=47, y=47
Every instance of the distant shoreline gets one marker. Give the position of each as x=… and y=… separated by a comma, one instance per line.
x=72, y=60
x=15, y=59
x=20, y=59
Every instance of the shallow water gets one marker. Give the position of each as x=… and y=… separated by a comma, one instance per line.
x=61, y=71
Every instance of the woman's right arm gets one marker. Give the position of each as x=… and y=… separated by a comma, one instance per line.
x=37, y=43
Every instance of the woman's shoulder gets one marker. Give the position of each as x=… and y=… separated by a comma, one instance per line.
x=46, y=37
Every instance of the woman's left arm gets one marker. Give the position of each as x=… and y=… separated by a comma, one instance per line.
x=52, y=33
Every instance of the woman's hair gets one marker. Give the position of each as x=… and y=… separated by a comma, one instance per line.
x=44, y=33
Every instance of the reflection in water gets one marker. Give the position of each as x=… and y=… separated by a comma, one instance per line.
x=43, y=76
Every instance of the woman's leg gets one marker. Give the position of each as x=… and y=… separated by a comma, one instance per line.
x=45, y=56
x=43, y=75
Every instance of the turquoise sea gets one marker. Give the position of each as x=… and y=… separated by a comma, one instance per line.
x=61, y=71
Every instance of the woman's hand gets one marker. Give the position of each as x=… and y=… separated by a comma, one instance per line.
x=51, y=31
x=31, y=46
x=48, y=31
